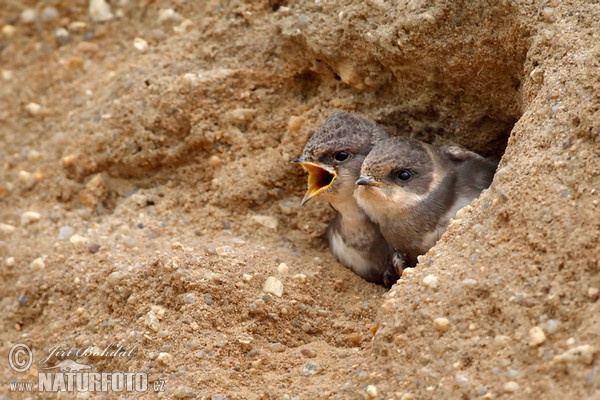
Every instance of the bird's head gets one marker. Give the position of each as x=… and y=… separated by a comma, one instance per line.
x=333, y=155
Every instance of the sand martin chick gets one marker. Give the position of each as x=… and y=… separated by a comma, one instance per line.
x=333, y=157
x=412, y=189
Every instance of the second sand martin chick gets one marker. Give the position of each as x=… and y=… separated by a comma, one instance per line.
x=333, y=157
x=412, y=189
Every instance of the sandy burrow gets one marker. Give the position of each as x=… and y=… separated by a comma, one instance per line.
x=166, y=199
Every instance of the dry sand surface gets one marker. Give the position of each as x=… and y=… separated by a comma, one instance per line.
x=147, y=195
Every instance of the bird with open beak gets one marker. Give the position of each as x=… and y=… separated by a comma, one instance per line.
x=412, y=189
x=333, y=157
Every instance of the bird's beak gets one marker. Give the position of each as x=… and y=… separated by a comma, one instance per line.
x=367, y=180
x=320, y=177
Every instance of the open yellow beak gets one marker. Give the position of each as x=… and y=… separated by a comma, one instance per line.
x=320, y=178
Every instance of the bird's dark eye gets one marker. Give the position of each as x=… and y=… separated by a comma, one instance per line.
x=404, y=175
x=341, y=155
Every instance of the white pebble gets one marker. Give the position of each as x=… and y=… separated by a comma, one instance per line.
x=65, y=232
x=469, y=282
x=189, y=298
x=49, y=14
x=6, y=229
x=548, y=14
x=247, y=277
x=38, y=264
x=99, y=11
x=8, y=30
x=371, y=391
x=592, y=293
x=33, y=109
x=29, y=217
x=511, y=387
x=273, y=286
x=78, y=240
x=408, y=272
x=168, y=15
x=164, y=358
x=34, y=155
x=27, y=179
x=431, y=281
x=300, y=277
x=536, y=336
x=140, y=44
x=10, y=262
x=7, y=75
x=29, y=16
x=151, y=321
x=267, y=221
x=283, y=269
x=552, y=326
x=583, y=354
x=223, y=250
x=441, y=324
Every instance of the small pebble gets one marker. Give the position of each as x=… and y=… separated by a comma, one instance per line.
x=431, y=281
x=214, y=161
x=223, y=250
x=6, y=229
x=7, y=75
x=140, y=44
x=273, y=286
x=164, y=358
x=276, y=347
x=65, y=232
x=33, y=109
x=189, y=298
x=441, y=324
x=287, y=206
x=469, y=283
x=10, y=262
x=583, y=354
x=29, y=16
x=511, y=387
x=38, y=264
x=27, y=179
x=593, y=293
x=49, y=14
x=283, y=269
x=151, y=321
x=295, y=123
x=177, y=246
x=208, y=299
x=371, y=391
x=117, y=278
x=461, y=379
x=536, y=336
x=267, y=221
x=407, y=272
x=8, y=30
x=247, y=277
x=300, y=277
x=552, y=326
x=184, y=392
x=94, y=248
x=78, y=240
x=548, y=14
x=99, y=11
x=29, y=217
x=311, y=369
x=168, y=15
x=309, y=353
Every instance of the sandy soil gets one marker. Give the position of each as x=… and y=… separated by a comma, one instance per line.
x=146, y=195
